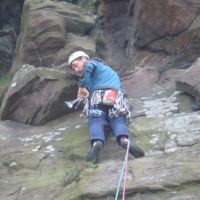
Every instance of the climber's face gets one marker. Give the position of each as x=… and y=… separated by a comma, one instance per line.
x=78, y=65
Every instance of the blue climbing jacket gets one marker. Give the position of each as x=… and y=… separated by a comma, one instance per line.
x=96, y=75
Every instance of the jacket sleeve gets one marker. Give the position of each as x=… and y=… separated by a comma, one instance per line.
x=86, y=77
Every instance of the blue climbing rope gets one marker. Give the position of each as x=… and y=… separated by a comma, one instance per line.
x=125, y=164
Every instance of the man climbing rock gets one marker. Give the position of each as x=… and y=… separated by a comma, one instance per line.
x=106, y=102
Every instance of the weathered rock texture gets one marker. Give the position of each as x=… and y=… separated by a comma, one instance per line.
x=8, y=39
x=37, y=95
x=189, y=81
x=158, y=32
x=10, y=14
x=48, y=162
x=50, y=31
x=11, y=11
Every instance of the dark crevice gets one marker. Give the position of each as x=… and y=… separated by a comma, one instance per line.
x=10, y=19
x=10, y=14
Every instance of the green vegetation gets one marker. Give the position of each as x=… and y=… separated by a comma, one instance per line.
x=4, y=84
x=5, y=79
x=100, y=45
x=88, y=5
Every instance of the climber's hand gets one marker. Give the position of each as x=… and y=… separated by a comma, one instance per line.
x=82, y=93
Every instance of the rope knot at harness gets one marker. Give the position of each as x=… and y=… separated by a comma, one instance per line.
x=123, y=175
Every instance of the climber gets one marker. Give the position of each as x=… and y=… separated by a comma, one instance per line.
x=106, y=101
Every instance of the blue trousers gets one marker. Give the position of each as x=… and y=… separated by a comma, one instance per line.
x=97, y=121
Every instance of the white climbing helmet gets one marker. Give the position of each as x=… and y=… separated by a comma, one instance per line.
x=76, y=55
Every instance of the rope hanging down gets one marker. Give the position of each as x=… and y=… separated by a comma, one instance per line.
x=123, y=173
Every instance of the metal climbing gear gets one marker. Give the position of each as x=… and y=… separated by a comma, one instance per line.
x=95, y=113
x=77, y=101
x=96, y=98
x=120, y=107
x=114, y=98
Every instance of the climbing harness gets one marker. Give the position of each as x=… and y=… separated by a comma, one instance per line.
x=114, y=98
x=120, y=103
x=123, y=174
x=95, y=113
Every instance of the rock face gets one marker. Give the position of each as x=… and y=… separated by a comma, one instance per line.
x=8, y=39
x=48, y=162
x=37, y=95
x=50, y=31
x=10, y=14
x=160, y=33
x=11, y=11
x=189, y=82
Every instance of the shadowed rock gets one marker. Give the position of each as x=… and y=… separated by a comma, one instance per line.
x=8, y=39
x=189, y=82
x=146, y=31
x=37, y=95
x=11, y=14
x=44, y=33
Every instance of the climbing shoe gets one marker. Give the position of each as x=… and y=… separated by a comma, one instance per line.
x=93, y=154
x=136, y=151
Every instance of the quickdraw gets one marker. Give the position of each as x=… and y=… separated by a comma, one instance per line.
x=120, y=106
